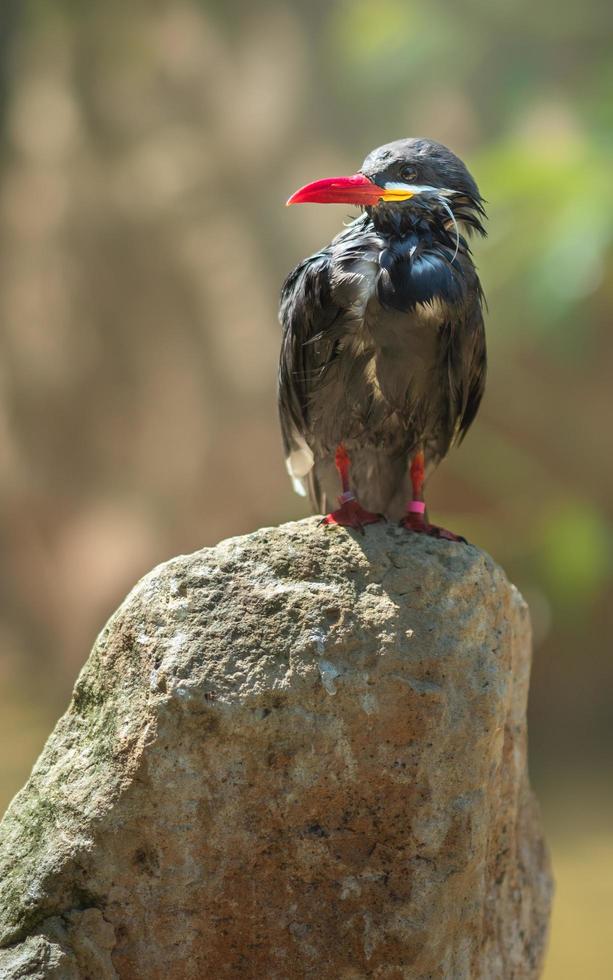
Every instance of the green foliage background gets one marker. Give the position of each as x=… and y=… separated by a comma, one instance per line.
x=146, y=152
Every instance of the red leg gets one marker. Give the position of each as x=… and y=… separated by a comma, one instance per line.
x=416, y=517
x=349, y=513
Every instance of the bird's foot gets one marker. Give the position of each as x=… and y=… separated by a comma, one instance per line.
x=419, y=525
x=350, y=513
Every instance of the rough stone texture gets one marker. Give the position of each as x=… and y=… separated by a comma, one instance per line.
x=301, y=754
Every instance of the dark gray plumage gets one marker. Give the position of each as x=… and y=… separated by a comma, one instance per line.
x=383, y=340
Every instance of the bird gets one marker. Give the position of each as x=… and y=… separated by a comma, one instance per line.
x=383, y=353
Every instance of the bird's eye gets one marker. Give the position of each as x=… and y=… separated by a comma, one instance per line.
x=408, y=174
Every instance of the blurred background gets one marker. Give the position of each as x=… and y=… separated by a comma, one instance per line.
x=146, y=151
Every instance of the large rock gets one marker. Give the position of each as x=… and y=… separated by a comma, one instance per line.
x=301, y=754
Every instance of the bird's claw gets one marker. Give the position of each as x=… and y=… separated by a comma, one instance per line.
x=352, y=514
x=417, y=524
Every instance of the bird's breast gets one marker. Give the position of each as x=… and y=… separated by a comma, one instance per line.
x=382, y=378
x=393, y=308
x=415, y=275
x=403, y=274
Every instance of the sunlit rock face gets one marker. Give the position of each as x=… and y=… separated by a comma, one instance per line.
x=299, y=754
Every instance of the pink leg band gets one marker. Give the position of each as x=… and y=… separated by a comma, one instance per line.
x=346, y=497
x=416, y=507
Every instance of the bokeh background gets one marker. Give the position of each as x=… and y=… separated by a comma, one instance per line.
x=146, y=151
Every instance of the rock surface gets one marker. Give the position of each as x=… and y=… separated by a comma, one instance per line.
x=301, y=754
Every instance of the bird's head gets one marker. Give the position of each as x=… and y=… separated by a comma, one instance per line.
x=406, y=177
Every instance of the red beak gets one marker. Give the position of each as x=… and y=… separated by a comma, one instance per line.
x=356, y=189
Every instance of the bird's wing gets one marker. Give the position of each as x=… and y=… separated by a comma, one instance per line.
x=307, y=311
x=467, y=359
x=474, y=384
